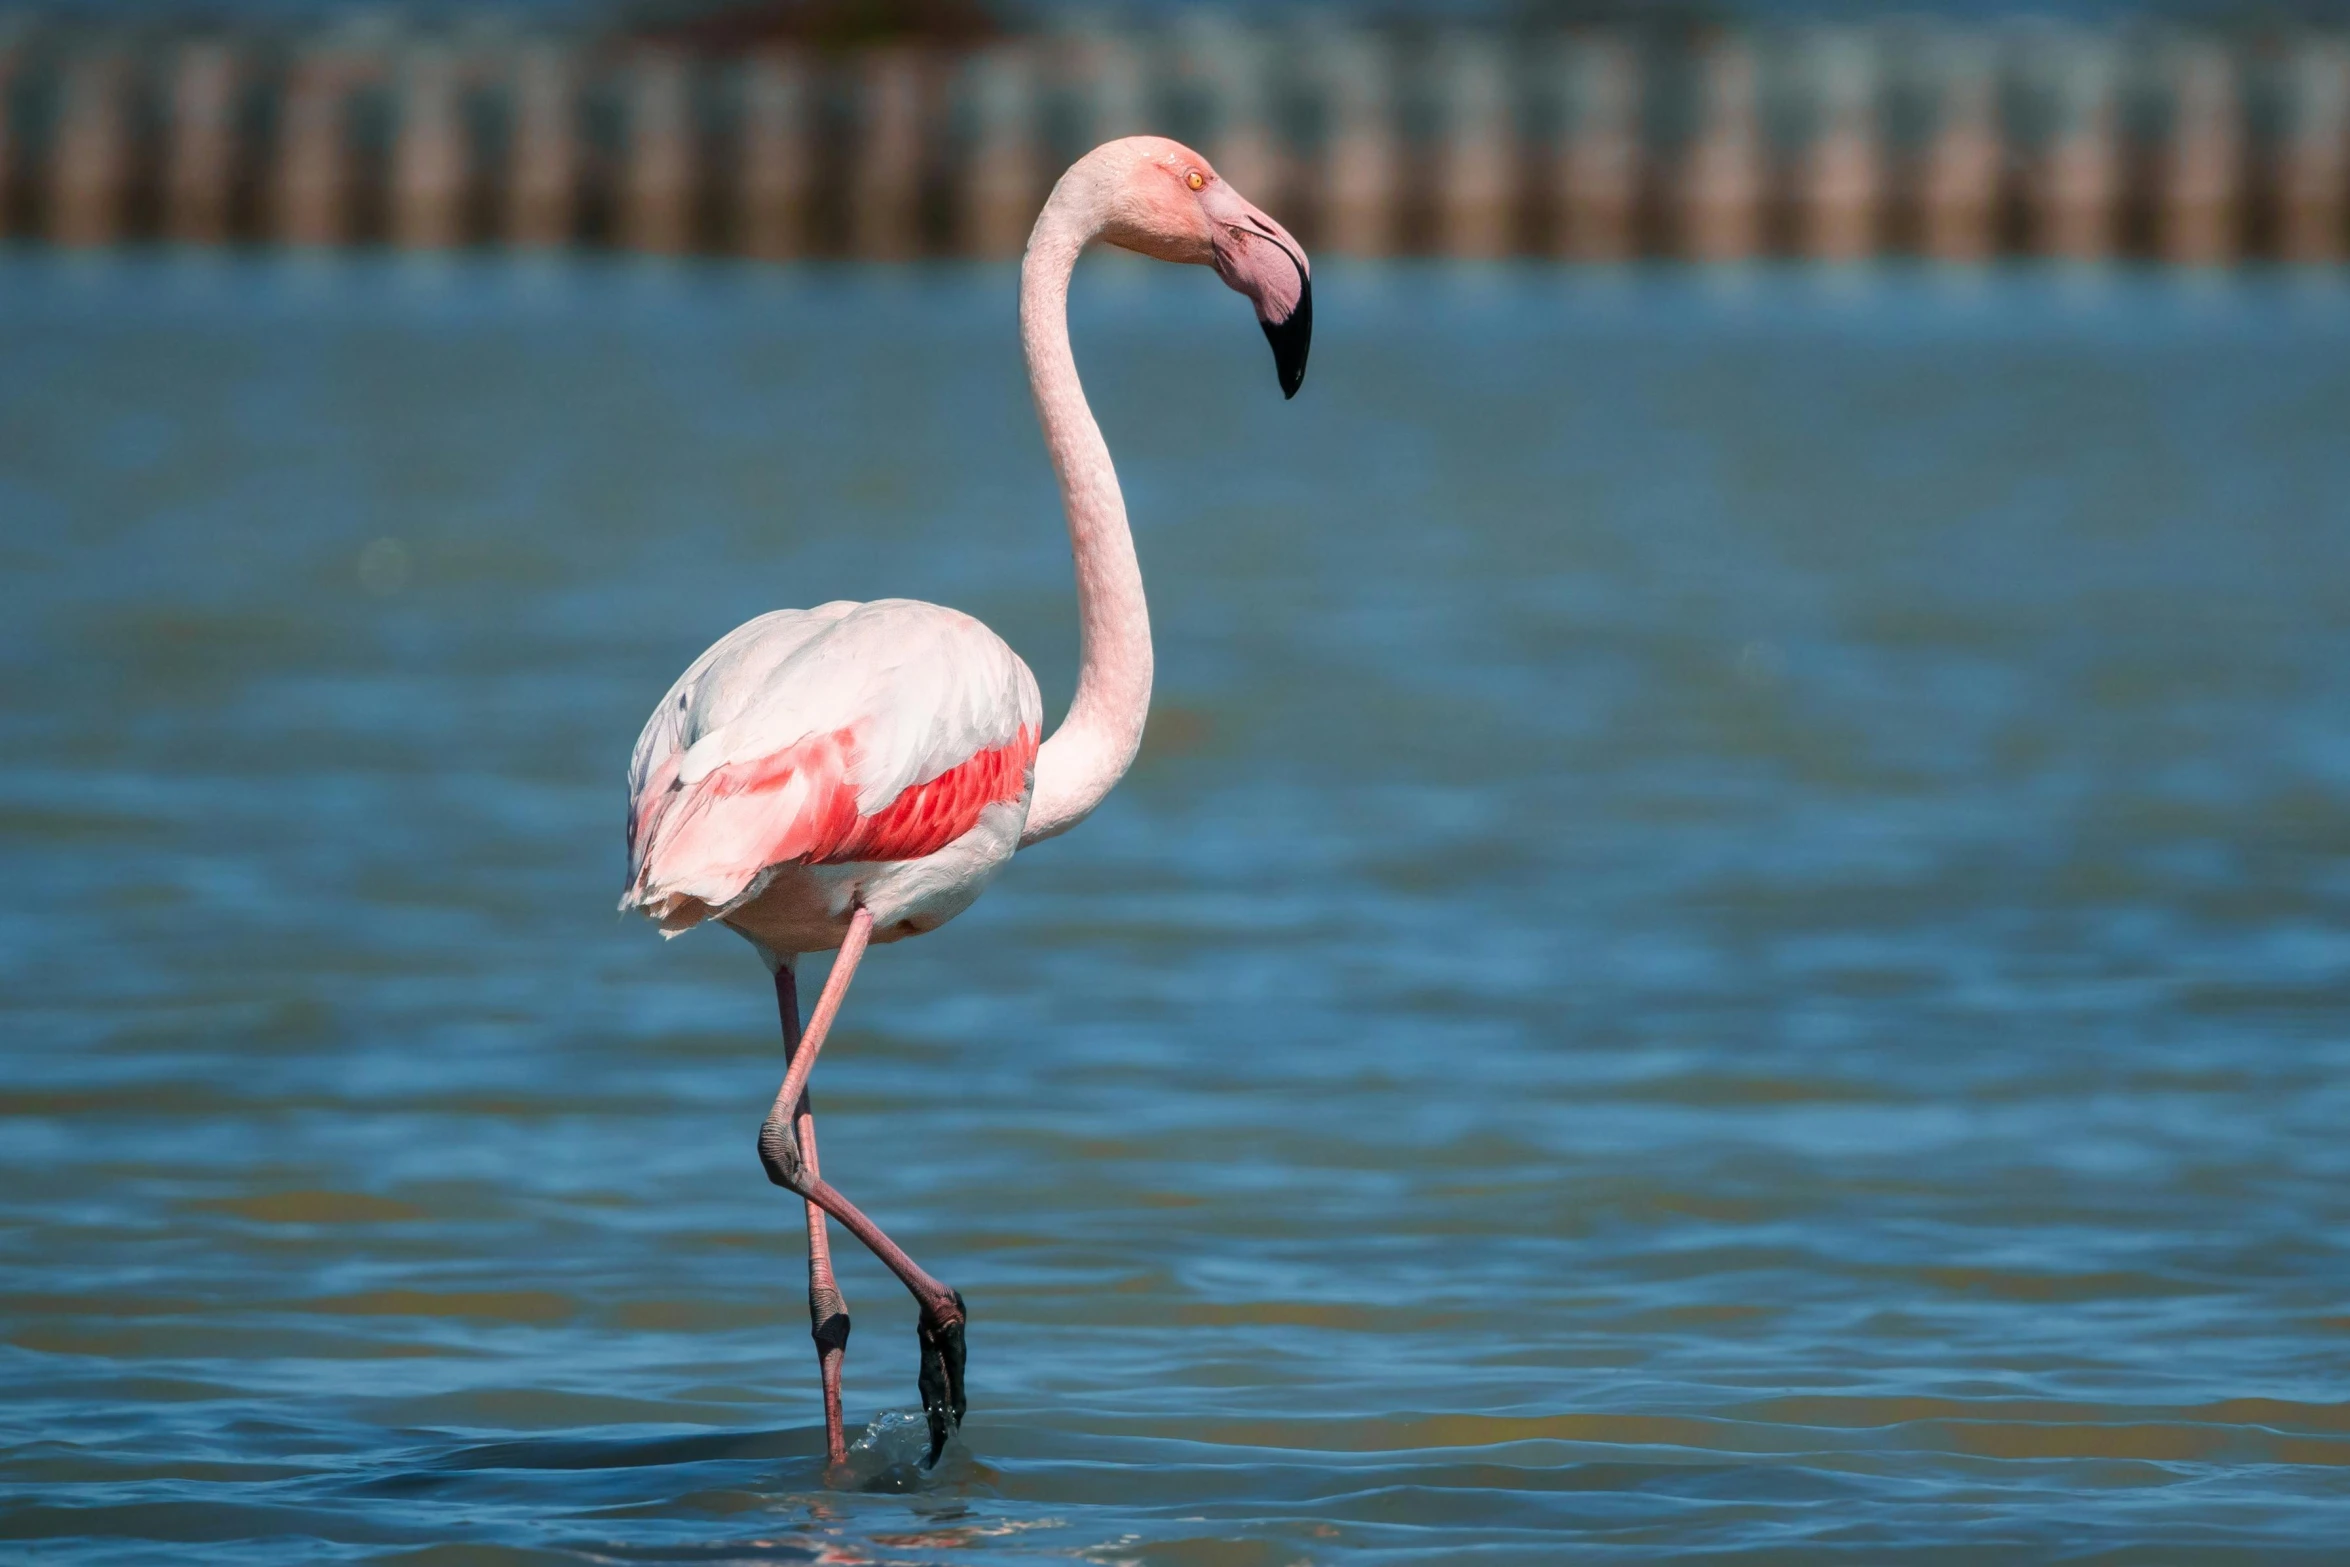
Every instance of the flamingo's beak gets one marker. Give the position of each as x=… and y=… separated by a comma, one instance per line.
x=1291, y=338
x=1257, y=257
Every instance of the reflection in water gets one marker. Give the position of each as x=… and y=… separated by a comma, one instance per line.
x=1729, y=938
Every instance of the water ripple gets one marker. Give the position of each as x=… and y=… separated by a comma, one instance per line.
x=1728, y=942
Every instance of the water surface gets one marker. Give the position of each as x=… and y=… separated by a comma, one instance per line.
x=1732, y=941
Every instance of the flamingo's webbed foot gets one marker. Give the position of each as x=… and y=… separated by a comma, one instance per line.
x=941, y=1334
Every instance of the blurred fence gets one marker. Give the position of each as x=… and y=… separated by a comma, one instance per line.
x=1837, y=144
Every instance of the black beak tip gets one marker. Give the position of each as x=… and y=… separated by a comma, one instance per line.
x=1291, y=339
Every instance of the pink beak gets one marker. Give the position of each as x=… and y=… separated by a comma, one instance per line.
x=1257, y=257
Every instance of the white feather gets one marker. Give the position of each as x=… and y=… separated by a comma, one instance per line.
x=924, y=688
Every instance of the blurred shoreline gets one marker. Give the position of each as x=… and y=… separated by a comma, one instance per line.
x=1916, y=137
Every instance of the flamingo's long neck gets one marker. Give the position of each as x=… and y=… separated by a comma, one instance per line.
x=1097, y=740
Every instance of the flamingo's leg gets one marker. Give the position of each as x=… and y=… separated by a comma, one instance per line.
x=828, y=1314
x=789, y=1157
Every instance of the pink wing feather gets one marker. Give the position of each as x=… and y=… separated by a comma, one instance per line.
x=847, y=732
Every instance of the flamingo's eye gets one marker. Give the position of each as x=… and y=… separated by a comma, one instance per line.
x=1195, y=179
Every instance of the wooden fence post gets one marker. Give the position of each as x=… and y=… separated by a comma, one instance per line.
x=1959, y=175
x=1839, y=184
x=1596, y=168
x=311, y=187
x=2076, y=184
x=1002, y=178
x=1109, y=90
x=777, y=165
x=2198, y=209
x=886, y=167
x=658, y=184
x=90, y=164
x=1476, y=153
x=543, y=154
x=201, y=146
x=432, y=154
x=11, y=65
x=1233, y=69
x=1360, y=147
x=1722, y=171
x=2313, y=176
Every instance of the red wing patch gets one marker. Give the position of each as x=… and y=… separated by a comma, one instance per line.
x=927, y=817
x=709, y=840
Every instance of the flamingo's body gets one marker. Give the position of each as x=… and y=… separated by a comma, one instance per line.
x=826, y=777
x=816, y=761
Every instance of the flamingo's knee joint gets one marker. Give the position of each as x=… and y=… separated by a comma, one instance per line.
x=828, y=1317
x=779, y=1156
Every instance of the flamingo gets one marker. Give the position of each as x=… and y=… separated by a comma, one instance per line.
x=824, y=779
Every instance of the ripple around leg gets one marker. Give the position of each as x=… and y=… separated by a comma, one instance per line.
x=892, y=1453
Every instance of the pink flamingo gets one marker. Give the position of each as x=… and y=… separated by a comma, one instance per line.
x=824, y=778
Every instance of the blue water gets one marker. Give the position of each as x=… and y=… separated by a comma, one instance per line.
x=1732, y=940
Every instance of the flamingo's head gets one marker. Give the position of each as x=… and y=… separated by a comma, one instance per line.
x=1165, y=201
